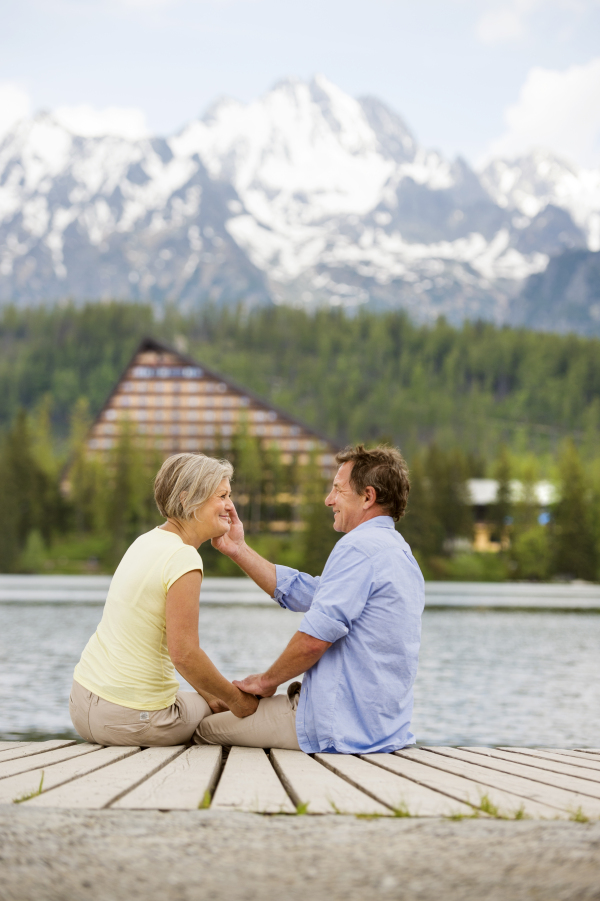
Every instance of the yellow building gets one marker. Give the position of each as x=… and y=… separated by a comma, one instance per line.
x=178, y=404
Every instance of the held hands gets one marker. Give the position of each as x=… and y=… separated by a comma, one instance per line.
x=256, y=685
x=232, y=543
x=217, y=705
x=245, y=706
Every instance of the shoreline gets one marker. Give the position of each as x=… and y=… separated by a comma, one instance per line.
x=226, y=592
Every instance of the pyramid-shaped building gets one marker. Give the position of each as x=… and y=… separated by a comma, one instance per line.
x=178, y=405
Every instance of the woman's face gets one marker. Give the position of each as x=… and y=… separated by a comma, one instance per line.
x=214, y=514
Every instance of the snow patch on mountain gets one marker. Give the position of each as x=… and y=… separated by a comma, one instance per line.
x=304, y=196
x=529, y=184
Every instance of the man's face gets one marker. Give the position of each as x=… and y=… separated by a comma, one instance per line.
x=348, y=507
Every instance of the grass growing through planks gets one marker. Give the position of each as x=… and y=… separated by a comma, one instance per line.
x=204, y=804
x=303, y=808
x=487, y=806
x=402, y=810
x=578, y=816
x=32, y=794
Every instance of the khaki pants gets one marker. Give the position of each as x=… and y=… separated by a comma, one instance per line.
x=104, y=723
x=273, y=725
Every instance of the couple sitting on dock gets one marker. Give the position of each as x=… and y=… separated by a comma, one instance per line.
x=357, y=644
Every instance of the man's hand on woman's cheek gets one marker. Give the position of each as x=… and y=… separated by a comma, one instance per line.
x=258, y=684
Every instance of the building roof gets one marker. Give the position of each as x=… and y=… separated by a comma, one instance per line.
x=177, y=404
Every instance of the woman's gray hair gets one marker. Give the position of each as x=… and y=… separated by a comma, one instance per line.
x=186, y=481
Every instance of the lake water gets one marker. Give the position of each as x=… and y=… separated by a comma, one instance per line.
x=486, y=677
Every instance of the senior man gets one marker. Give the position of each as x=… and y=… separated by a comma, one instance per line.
x=358, y=642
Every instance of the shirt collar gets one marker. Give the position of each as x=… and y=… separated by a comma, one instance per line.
x=378, y=522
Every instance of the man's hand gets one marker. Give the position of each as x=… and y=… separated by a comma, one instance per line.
x=233, y=542
x=257, y=684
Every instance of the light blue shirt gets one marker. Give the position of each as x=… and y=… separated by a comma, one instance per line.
x=358, y=697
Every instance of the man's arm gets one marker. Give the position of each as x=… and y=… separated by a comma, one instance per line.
x=302, y=652
x=296, y=590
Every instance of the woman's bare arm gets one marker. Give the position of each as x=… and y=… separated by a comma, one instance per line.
x=188, y=657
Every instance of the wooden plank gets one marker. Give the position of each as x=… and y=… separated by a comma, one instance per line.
x=29, y=748
x=470, y=791
x=180, y=785
x=589, y=755
x=8, y=745
x=37, y=761
x=15, y=787
x=103, y=787
x=397, y=793
x=250, y=783
x=554, y=763
x=579, y=758
x=528, y=787
x=316, y=788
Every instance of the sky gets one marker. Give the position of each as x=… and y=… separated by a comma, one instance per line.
x=475, y=78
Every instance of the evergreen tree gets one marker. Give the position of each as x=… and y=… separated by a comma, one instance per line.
x=446, y=473
x=575, y=551
x=319, y=537
x=130, y=508
x=88, y=477
x=420, y=526
x=501, y=511
x=29, y=497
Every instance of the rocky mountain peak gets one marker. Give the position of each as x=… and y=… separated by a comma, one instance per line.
x=305, y=195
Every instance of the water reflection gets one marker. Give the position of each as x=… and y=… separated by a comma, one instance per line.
x=484, y=677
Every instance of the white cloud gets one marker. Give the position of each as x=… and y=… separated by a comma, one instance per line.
x=502, y=24
x=114, y=120
x=559, y=111
x=509, y=20
x=14, y=105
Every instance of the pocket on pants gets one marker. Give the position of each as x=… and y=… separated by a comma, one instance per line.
x=132, y=734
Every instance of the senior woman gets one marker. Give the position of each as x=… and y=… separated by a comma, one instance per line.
x=125, y=691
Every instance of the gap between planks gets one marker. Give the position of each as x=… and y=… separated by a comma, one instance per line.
x=250, y=783
x=435, y=782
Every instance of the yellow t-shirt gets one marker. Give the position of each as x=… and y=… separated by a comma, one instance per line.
x=126, y=660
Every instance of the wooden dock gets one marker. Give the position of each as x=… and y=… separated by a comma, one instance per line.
x=511, y=783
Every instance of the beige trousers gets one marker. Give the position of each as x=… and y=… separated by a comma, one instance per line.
x=273, y=725
x=104, y=723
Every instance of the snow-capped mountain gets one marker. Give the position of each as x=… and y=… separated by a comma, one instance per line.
x=304, y=196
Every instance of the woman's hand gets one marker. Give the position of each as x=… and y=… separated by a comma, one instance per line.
x=217, y=706
x=246, y=705
x=232, y=542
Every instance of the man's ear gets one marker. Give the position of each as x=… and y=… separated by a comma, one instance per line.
x=370, y=497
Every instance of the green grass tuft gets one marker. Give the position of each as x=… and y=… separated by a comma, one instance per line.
x=205, y=802
x=29, y=795
x=520, y=814
x=302, y=808
x=488, y=807
x=578, y=816
x=402, y=811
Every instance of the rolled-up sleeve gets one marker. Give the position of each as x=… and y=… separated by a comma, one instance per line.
x=295, y=590
x=341, y=595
